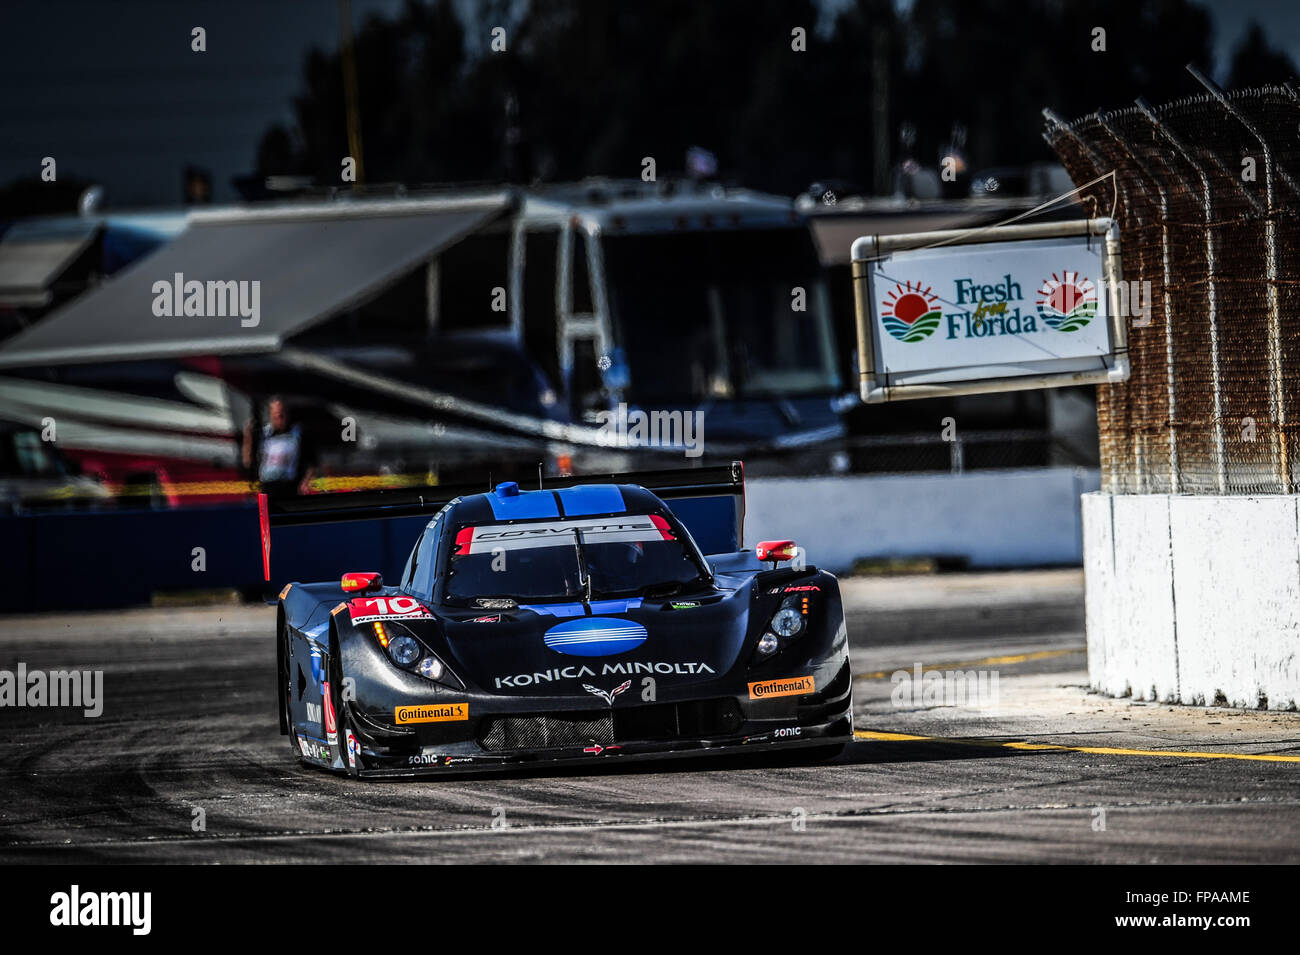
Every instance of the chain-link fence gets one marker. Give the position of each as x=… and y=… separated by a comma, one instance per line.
x=1207, y=193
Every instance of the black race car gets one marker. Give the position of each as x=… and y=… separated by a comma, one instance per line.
x=561, y=625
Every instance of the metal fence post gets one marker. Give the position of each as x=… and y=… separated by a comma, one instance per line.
x=1099, y=164
x=1277, y=400
x=1211, y=291
x=1167, y=273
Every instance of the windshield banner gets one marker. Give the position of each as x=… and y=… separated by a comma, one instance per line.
x=603, y=530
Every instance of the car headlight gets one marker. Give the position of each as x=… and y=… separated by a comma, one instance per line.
x=404, y=650
x=787, y=622
x=767, y=645
x=430, y=668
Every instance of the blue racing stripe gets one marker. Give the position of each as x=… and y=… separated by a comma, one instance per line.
x=523, y=505
x=592, y=499
x=618, y=605
x=615, y=606
x=555, y=610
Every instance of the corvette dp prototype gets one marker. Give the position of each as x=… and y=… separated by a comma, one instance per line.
x=555, y=626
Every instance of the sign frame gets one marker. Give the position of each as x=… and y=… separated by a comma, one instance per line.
x=875, y=386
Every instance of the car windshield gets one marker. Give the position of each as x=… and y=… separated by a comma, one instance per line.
x=723, y=327
x=638, y=554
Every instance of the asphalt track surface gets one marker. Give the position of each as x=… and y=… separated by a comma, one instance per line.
x=1046, y=773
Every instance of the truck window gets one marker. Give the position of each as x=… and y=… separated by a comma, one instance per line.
x=541, y=252
x=582, y=300
x=709, y=314
x=468, y=274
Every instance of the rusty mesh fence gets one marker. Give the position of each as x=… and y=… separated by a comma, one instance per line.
x=1207, y=194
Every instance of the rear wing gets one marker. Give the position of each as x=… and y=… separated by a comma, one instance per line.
x=709, y=501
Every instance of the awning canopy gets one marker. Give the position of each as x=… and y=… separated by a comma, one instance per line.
x=834, y=235
x=33, y=256
x=195, y=295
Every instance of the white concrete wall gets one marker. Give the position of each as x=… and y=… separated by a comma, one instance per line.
x=1105, y=638
x=1194, y=598
x=1143, y=592
x=1021, y=518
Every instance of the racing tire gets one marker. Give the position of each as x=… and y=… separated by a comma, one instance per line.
x=342, y=723
x=284, y=689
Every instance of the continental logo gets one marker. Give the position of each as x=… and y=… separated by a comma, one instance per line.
x=794, y=686
x=441, y=713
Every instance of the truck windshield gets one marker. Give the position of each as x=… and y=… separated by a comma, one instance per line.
x=713, y=314
x=636, y=554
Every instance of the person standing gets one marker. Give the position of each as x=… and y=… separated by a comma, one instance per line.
x=284, y=457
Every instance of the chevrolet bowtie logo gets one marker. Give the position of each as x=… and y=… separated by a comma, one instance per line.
x=607, y=695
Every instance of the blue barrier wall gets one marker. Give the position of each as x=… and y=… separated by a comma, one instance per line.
x=80, y=561
x=312, y=552
x=88, y=560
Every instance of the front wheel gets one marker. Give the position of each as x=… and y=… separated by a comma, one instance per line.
x=349, y=747
x=284, y=685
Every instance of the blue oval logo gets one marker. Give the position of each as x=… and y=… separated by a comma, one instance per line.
x=595, y=637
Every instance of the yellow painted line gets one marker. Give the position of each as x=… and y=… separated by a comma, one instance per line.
x=986, y=662
x=1059, y=748
x=889, y=737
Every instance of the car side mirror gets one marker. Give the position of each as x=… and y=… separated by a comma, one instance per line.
x=776, y=551
x=362, y=582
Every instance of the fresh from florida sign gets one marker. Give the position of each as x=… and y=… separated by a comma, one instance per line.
x=992, y=310
x=1066, y=303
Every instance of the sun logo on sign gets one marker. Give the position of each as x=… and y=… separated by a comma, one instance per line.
x=910, y=313
x=1067, y=303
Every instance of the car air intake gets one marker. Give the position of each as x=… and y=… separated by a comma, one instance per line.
x=558, y=730
x=699, y=719
x=695, y=720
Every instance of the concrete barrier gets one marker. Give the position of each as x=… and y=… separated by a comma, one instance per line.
x=1014, y=518
x=1194, y=599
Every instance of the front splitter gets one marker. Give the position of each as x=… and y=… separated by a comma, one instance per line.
x=827, y=734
